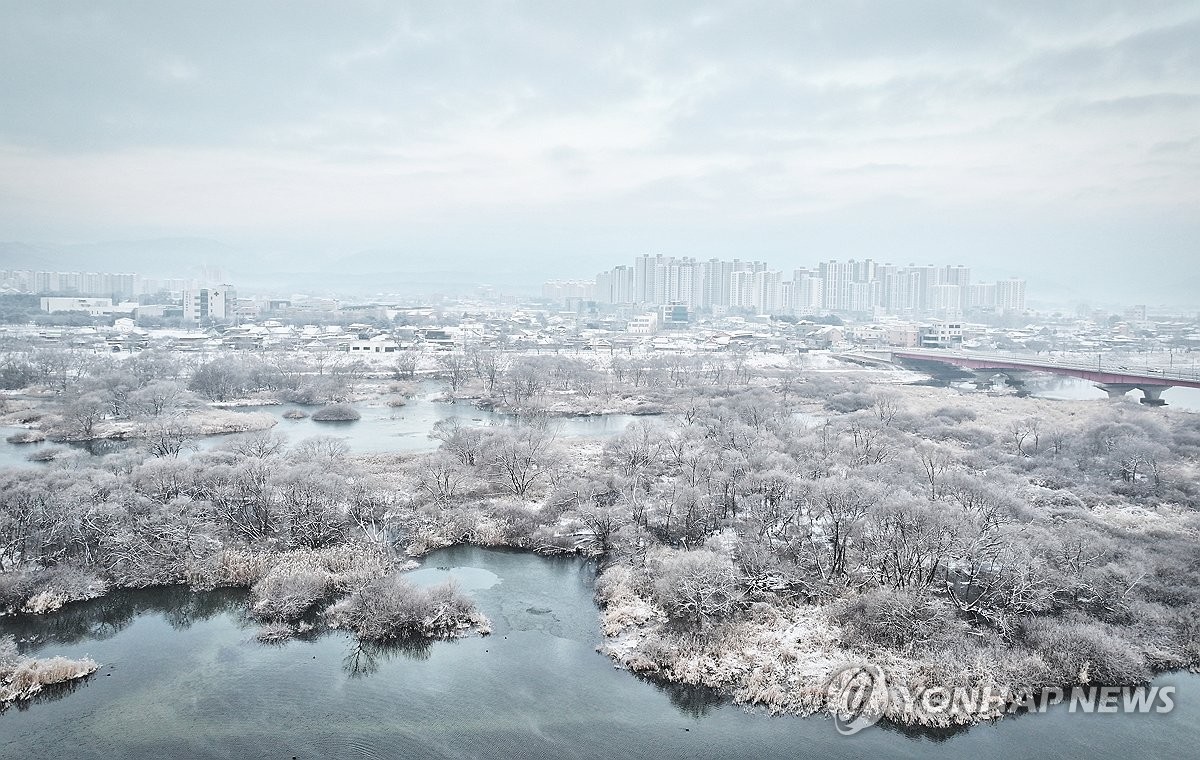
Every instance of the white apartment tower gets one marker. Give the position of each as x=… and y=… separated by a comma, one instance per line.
x=1010, y=295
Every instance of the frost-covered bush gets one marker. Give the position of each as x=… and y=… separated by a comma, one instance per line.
x=26, y=436
x=25, y=678
x=897, y=619
x=1082, y=652
x=59, y=585
x=515, y=522
x=13, y=591
x=849, y=402
x=274, y=633
x=393, y=608
x=548, y=540
x=345, y=567
x=286, y=592
x=695, y=586
x=336, y=413
x=955, y=413
x=47, y=453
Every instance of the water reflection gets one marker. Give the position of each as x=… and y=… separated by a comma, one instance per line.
x=103, y=618
x=692, y=701
x=182, y=675
x=924, y=733
x=364, y=658
x=50, y=693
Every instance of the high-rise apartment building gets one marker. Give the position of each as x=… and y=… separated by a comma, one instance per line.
x=854, y=287
x=1010, y=295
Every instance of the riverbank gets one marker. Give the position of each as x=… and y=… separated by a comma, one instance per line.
x=183, y=669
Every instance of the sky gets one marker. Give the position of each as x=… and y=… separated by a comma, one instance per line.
x=1059, y=141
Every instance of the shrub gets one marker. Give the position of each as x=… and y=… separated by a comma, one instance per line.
x=26, y=436
x=955, y=414
x=27, y=677
x=286, y=593
x=1081, y=652
x=849, y=402
x=336, y=413
x=52, y=588
x=393, y=608
x=47, y=454
x=14, y=588
x=695, y=586
x=894, y=619
x=274, y=633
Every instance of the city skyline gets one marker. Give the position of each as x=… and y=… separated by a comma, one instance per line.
x=864, y=287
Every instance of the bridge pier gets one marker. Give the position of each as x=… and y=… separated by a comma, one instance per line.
x=1114, y=381
x=1152, y=394
x=985, y=379
x=1115, y=390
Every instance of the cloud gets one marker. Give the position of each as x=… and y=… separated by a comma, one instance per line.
x=362, y=121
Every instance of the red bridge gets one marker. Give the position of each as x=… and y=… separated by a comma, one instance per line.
x=1116, y=381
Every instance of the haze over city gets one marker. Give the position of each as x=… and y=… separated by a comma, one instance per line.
x=512, y=143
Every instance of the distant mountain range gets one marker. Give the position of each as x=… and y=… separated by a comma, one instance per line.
x=360, y=273
x=395, y=270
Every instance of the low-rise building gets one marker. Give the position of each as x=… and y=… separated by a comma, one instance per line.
x=644, y=324
x=95, y=307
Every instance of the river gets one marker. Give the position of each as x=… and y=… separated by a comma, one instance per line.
x=182, y=676
x=381, y=428
x=1062, y=387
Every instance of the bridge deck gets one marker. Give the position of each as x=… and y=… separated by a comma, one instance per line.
x=1098, y=373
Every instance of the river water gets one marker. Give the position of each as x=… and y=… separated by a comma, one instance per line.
x=182, y=676
x=381, y=428
x=1061, y=387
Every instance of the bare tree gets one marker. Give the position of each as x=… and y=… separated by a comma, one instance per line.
x=696, y=586
x=262, y=444
x=311, y=507
x=518, y=459
x=1026, y=432
x=406, y=363
x=887, y=406
x=912, y=543
x=160, y=397
x=440, y=477
x=637, y=450
x=488, y=366
x=169, y=437
x=466, y=442
x=455, y=368
x=835, y=520
x=935, y=463
x=80, y=416
x=325, y=447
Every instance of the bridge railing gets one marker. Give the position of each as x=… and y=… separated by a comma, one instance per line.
x=1103, y=367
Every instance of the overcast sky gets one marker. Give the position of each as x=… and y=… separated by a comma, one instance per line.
x=1054, y=138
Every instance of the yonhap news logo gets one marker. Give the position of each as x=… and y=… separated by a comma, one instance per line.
x=860, y=695
x=857, y=697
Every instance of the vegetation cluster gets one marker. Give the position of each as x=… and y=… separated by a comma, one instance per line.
x=773, y=521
